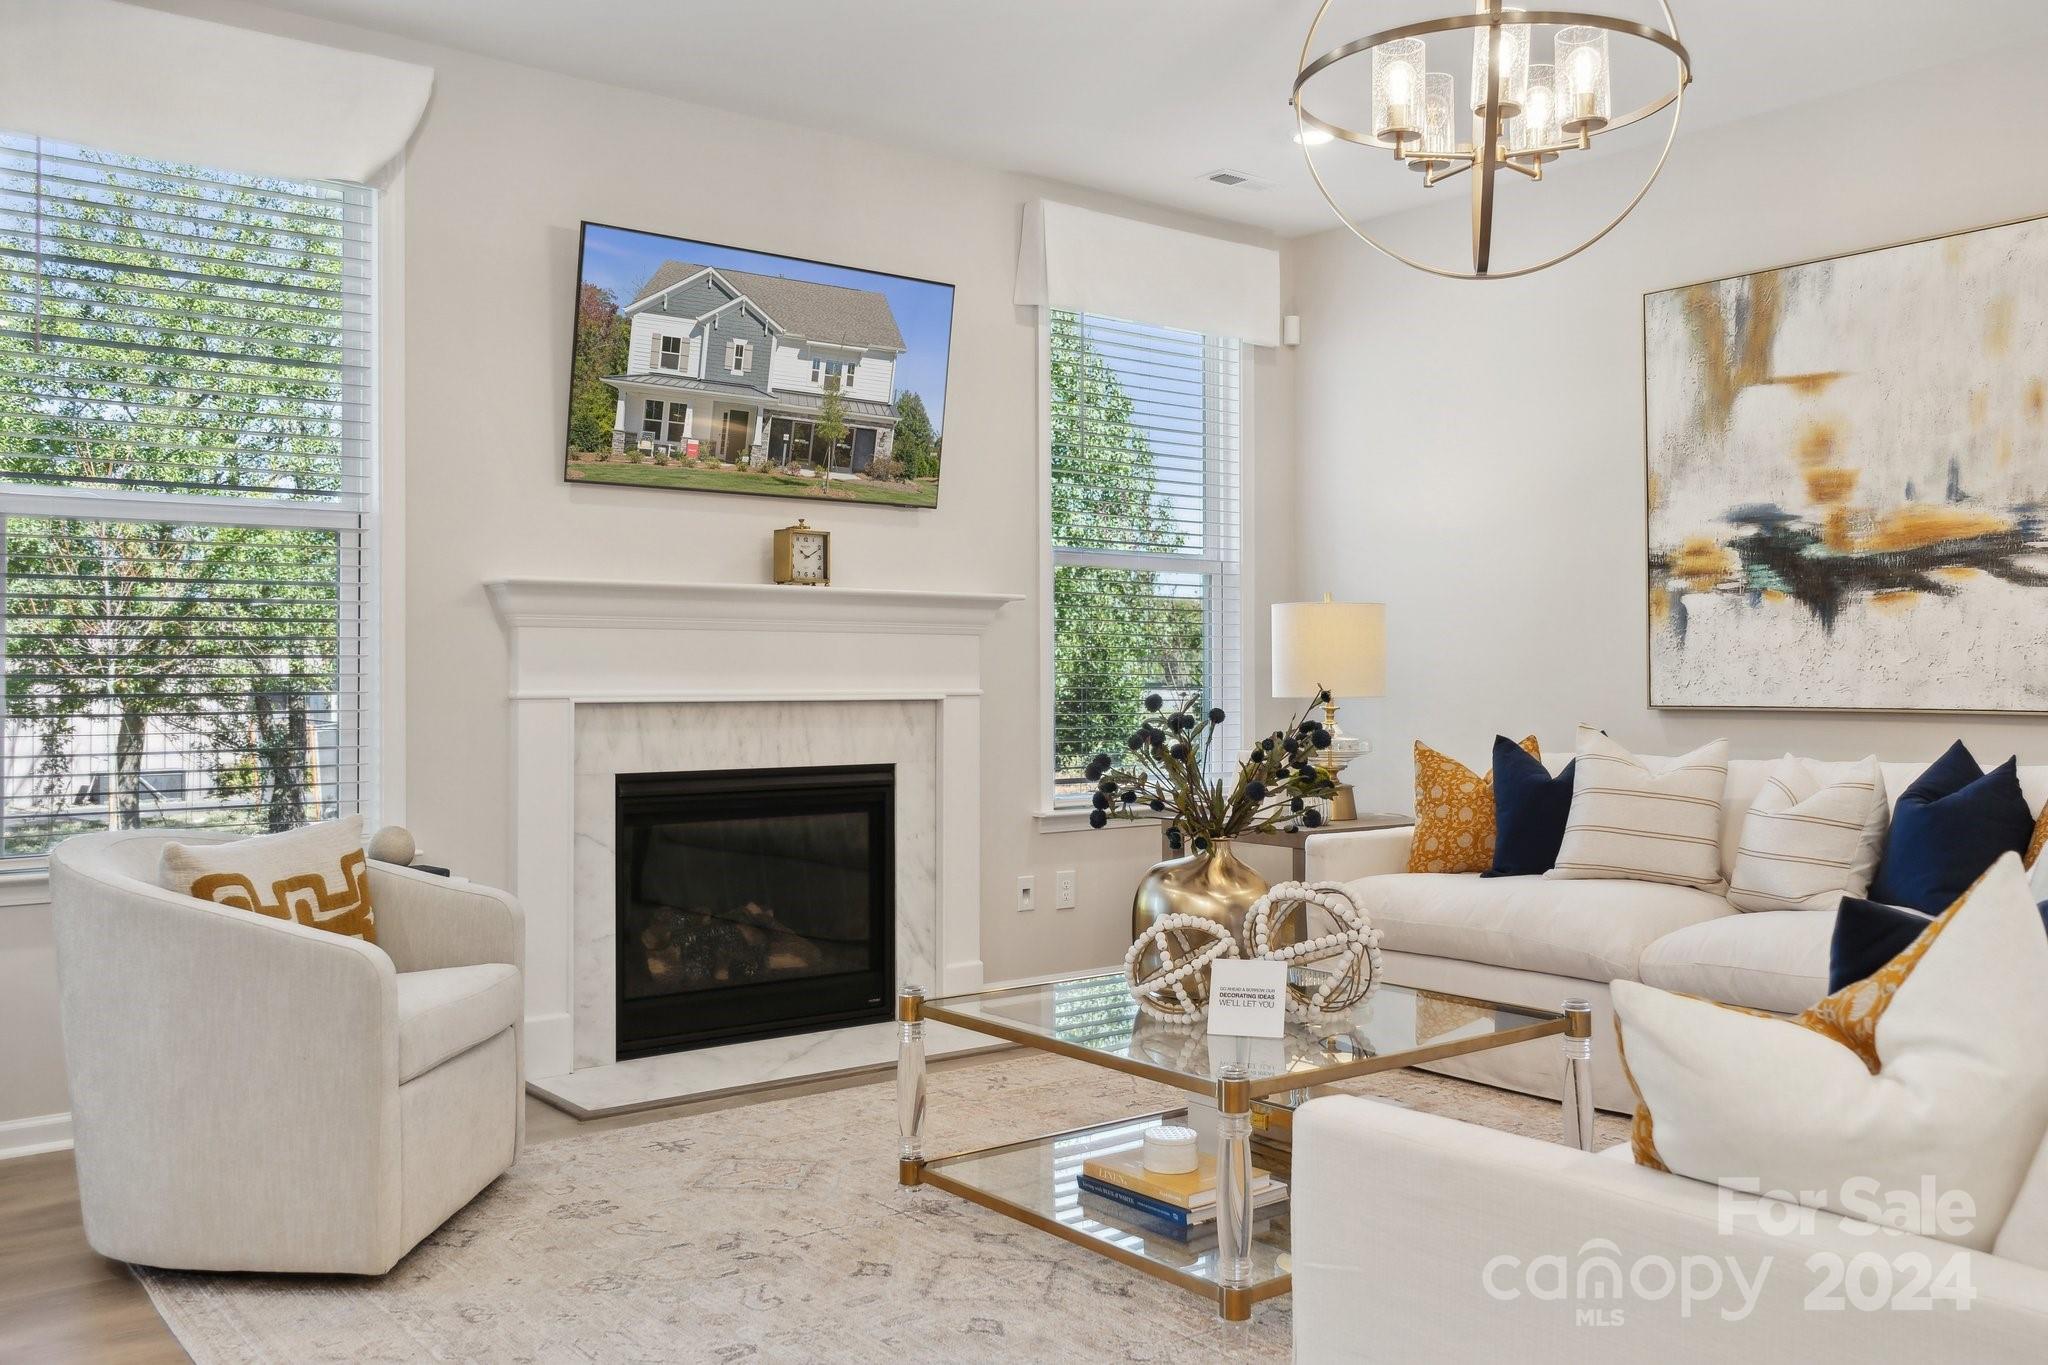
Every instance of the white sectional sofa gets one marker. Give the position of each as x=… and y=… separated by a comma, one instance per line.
x=1535, y=941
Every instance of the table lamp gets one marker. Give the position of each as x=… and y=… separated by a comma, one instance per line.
x=1338, y=647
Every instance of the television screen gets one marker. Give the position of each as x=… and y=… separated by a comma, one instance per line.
x=722, y=370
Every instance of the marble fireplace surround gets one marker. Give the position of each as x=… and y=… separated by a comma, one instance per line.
x=610, y=677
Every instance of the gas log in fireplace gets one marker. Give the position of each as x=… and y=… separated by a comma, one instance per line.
x=753, y=902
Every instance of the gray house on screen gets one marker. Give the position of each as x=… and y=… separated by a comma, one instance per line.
x=737, y=365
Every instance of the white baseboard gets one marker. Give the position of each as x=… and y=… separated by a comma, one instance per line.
x=27, y=1137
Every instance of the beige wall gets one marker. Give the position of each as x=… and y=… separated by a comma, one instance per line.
x=506, y=164
x=1476, y=450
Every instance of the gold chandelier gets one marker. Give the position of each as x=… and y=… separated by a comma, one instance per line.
x=1525, y=114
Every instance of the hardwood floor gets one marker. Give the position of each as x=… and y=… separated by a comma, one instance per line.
x=62, y=1302
x=59, y=1300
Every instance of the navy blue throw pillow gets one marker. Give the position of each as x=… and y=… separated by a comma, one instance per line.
x=1949, y=826
x=1868, y=935
x=1529, y=811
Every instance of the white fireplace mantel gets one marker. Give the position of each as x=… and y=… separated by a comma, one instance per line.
x=570, y=603
x=575, y=642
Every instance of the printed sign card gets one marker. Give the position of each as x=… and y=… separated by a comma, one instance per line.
x=1248, y=999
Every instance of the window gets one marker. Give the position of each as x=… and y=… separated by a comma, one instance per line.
x=670, y=356
x=838, y=371
x=185, y=491
x=663, y=421
x=1145, y=532
x=736, y=357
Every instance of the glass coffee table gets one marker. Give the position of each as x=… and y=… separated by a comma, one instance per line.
x=1248, y=1081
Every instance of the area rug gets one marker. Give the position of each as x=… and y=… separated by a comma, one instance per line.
x=772, y=1232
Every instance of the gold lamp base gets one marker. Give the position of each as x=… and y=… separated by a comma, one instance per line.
x=1344, y=803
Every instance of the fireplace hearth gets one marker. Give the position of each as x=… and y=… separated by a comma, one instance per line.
x=753, y=902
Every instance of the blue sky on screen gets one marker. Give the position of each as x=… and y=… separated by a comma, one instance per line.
x=622, y=261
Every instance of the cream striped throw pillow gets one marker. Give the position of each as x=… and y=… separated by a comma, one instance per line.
x=1813, y=836
x=1634, y=824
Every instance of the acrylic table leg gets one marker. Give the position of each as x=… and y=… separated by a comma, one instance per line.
x=910, y=1085
x=1234, y=1191
x=1578, y=1075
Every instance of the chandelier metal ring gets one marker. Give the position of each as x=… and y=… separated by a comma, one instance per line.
x=1491, y=17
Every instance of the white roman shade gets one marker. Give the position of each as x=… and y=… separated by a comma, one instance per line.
x=1096, y=263
x=102, y=74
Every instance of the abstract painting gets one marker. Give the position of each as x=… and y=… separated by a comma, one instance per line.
x=1848, y=480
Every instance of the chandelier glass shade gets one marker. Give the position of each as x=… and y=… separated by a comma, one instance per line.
x=1542, y=89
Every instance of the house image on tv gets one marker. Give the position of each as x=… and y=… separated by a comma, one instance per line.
x=739, y=364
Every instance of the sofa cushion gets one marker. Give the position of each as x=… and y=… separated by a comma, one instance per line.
x=1530, y=805
x=1951, y=824
x=451, y=1009
x=1774, y=960
x=1588, y=930
x=1453, y=813
x=1869, y=934
x=1812, y=836
x=1631, y=822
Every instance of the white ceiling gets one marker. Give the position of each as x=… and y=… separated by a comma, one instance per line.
x=1140, y=97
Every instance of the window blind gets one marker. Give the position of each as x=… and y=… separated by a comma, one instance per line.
x=185, y=497
x=1146, y=530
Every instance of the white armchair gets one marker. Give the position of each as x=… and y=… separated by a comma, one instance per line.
x=251, y=1094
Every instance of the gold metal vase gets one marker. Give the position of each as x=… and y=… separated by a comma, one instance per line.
x=1214, y=884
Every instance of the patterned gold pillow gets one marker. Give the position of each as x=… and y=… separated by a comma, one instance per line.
x=1453, y=813
x=2040, y=839
x=317, y=876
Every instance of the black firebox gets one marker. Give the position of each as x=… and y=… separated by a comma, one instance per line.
x=753, y=902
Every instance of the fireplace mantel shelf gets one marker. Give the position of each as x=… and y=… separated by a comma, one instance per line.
x=571, y=603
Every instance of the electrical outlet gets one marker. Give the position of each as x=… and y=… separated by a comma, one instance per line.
x=1027, y=894
x=1063, y=890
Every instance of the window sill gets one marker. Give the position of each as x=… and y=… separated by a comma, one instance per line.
x=29, y=886
x=1066, y=819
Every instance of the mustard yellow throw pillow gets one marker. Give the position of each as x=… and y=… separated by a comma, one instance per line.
x=1930, y=1069
x=2040, y=839
x=1453, y=813
x=317, y=876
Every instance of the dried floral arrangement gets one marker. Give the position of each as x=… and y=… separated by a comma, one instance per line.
x=1165, y=775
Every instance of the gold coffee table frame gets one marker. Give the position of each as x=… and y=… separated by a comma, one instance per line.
x=1231, y=1277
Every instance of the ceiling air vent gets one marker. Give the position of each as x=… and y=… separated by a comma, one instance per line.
x=1237, y=180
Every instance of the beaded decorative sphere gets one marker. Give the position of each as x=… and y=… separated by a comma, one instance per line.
x=1168, y=965
x=1342, y=965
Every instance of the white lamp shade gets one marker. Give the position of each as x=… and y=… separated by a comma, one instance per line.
x=1338, y=645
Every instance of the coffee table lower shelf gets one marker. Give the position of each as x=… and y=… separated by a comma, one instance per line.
x=1034, y=1181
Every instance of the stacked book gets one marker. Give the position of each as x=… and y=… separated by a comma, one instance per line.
x=1180, y=1206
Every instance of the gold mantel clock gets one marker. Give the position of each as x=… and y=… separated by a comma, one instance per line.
x=803, y=555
